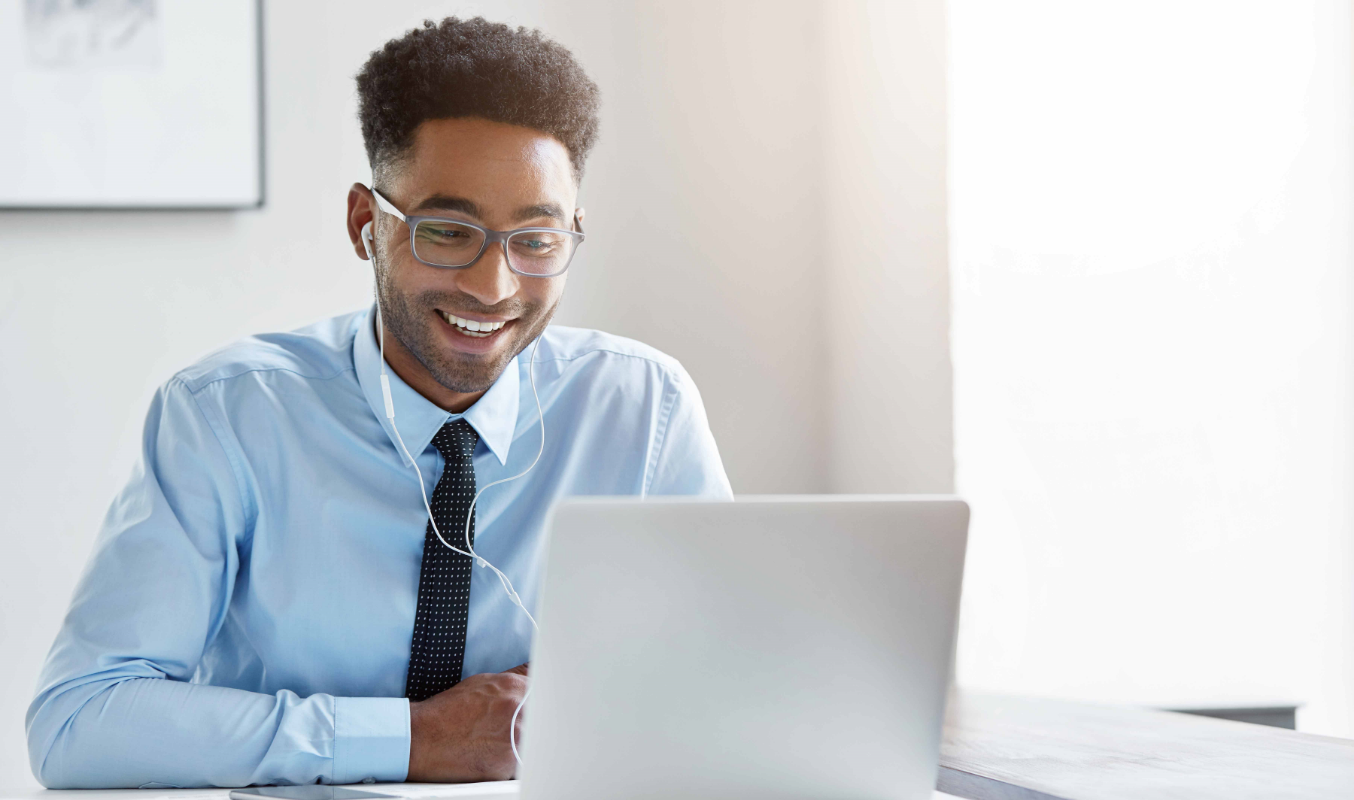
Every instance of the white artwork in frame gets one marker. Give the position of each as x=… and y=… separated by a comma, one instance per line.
x=131, y=104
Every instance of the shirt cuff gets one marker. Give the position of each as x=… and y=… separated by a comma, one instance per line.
x=371, y=739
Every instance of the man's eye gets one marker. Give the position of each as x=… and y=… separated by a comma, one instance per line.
x=443, y=232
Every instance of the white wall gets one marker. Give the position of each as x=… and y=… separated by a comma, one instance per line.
x=712, y=143
x=1151, y=210
x=890, y=427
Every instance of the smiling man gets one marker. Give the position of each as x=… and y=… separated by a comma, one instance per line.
x=271, y=598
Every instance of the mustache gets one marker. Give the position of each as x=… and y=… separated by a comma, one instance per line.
x=462, y=302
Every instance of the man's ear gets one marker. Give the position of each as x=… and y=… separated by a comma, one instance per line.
x=361, y=210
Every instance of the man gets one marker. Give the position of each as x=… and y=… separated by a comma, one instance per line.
x=268, y=600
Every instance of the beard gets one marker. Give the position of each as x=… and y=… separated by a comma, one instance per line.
x=412, y=319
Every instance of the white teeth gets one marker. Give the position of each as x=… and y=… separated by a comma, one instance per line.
x=471, y=327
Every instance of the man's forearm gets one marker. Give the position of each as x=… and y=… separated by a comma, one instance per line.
x=133, y=732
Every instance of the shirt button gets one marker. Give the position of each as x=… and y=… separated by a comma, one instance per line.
x=369, y=780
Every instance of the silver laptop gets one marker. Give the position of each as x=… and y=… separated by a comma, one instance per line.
x=776, y=647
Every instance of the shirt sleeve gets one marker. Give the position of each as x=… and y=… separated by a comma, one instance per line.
x=686, y=458
x=115, y=707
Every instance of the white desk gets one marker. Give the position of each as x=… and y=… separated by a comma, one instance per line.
x=1012, y=748
x=503, y=790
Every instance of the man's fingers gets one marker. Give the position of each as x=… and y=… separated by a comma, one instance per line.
x=520, y=669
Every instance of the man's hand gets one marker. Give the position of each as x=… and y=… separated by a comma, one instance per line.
x=462, y=734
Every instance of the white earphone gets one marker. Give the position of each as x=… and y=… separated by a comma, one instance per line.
x=469, y=551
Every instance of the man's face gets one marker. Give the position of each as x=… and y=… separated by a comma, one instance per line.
x=496, y=176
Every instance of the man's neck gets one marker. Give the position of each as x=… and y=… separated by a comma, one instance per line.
x=411, y=371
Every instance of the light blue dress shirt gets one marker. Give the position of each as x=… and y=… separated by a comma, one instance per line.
x=245, y=616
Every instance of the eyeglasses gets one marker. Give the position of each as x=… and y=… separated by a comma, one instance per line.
x=453, y=244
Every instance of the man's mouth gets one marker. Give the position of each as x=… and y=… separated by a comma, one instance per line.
x=472, y=328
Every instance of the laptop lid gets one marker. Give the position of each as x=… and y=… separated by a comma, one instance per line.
x=769, y=647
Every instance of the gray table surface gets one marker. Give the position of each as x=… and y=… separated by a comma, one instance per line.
x=1018, y=748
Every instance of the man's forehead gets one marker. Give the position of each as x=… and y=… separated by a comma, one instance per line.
x=473, y=145
x=478, y=167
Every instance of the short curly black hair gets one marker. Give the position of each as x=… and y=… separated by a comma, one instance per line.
x=474, y=68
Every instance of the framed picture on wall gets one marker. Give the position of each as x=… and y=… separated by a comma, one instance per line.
x=131, y=104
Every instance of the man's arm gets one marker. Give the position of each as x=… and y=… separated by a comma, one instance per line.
x=687, y=461
x=114, y=708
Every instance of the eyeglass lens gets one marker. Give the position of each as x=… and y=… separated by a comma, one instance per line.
x=448, y=244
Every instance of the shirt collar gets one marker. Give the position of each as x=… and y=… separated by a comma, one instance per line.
x=493, y=416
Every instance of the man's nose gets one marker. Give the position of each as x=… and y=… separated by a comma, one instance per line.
x=489, y=280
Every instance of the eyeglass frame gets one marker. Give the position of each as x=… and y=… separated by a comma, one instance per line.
x=490, y=236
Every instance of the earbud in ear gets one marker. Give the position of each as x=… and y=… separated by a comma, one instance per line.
x=366, y=238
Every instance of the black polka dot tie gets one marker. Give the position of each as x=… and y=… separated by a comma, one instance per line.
x=438, y=648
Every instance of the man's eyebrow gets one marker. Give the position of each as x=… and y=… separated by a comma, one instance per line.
x=542, y=210
x=442, y=202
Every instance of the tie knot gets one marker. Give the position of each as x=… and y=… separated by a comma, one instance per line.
x=456, y=441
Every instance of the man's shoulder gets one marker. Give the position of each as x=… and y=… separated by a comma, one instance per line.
x=319, y=351
x=599, y=350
